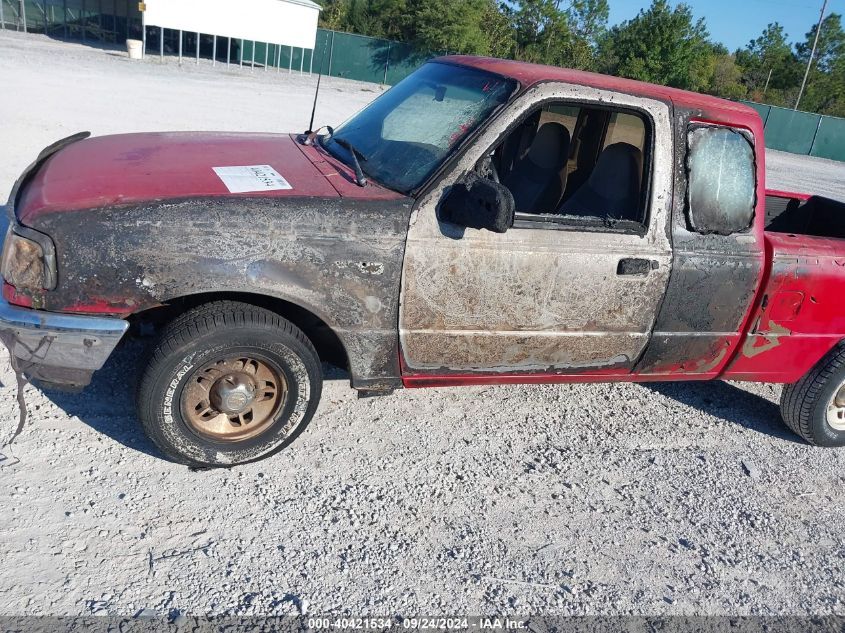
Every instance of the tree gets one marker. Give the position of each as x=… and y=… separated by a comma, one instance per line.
x=726, y=81
x=450, y=25
x=588, y=21
x=826, y=84
x=540, y=29
x=831, y=46
x=770, y=70
x=349, y=15
x=661, y=45
x=391, y=18
x=360, y=18
x=500, y=35
x=333, y=15
x=375, y=18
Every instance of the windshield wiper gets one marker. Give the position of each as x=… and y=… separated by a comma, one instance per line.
x=360, y=179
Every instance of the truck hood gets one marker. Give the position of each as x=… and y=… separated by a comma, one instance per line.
x=130, y=169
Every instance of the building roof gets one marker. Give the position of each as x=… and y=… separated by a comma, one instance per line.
x=305, y=3
x=704, y=106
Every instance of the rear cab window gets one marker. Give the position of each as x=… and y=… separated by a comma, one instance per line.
x=722, y=179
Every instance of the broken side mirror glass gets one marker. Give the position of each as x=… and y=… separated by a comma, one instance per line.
x=479, y=203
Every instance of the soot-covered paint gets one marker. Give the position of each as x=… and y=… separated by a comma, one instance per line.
x=340, y=259
x=534, y=300
x=715, y=280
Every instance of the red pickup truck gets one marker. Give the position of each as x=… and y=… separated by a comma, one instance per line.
x=484, y=221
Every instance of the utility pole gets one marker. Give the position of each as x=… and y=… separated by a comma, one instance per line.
x=812, y=55
x=768, y=81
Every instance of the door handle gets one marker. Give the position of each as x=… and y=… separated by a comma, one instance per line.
x=636, y=267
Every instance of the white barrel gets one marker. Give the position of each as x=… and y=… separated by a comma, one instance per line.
x=135, y=48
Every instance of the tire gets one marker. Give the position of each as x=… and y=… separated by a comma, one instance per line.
x=213, y=362
x=804, y=404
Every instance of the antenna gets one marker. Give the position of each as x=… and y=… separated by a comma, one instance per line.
x=319, y=79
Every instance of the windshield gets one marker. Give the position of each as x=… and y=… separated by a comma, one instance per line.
x=407, y=133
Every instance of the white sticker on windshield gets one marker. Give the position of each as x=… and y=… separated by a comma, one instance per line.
x=252, y=178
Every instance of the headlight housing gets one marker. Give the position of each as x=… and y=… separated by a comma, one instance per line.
x=29, y=260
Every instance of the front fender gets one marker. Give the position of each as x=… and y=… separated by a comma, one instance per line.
x=339, y=259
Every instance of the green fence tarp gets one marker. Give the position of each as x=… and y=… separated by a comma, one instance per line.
x=830, y=140
x=802, y=132
x=762, y=109
x=791, y=131
x=364, y=58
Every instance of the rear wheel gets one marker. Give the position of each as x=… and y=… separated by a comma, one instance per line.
x=228, y=383
x=814, y=407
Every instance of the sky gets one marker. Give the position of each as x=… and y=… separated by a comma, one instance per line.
x=736, y=22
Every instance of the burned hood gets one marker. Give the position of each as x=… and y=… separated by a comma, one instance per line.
x=131, y=169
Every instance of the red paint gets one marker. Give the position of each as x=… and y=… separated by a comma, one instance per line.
x=135, y=168
x=804, y=306
x=342, y=177
x=10, y=294
x=102, y=307
x=95, y=306
x=457, y=379
x=773, y=193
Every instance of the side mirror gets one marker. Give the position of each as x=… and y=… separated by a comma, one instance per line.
x=479, y=204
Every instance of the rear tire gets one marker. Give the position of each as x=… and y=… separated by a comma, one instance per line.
x=814, y=407
x=228, y=383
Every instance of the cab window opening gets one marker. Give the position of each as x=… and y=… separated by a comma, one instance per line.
x=577, y=165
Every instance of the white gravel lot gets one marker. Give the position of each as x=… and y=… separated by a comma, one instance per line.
x=574, y=499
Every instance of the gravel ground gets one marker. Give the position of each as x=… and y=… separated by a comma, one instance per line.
x=805, y=174
x=574, y=499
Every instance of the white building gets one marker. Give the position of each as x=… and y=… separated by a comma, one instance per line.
x=290, y=23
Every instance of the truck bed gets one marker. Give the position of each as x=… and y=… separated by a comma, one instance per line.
x=800, y=314
x=805, y=215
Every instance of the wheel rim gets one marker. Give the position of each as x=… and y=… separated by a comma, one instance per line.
x=234, y=399
x=836, y=410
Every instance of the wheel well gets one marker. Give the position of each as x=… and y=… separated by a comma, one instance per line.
x=325, y=341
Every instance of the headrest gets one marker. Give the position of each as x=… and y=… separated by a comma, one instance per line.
x=550, y=148
x=617, y=171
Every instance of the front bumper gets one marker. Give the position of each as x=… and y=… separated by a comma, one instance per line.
x=63, y=350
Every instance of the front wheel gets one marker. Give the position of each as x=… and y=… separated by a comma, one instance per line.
x=814, y=407
x=228, y=383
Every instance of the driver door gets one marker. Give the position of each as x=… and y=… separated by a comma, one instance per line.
x=546, y=297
